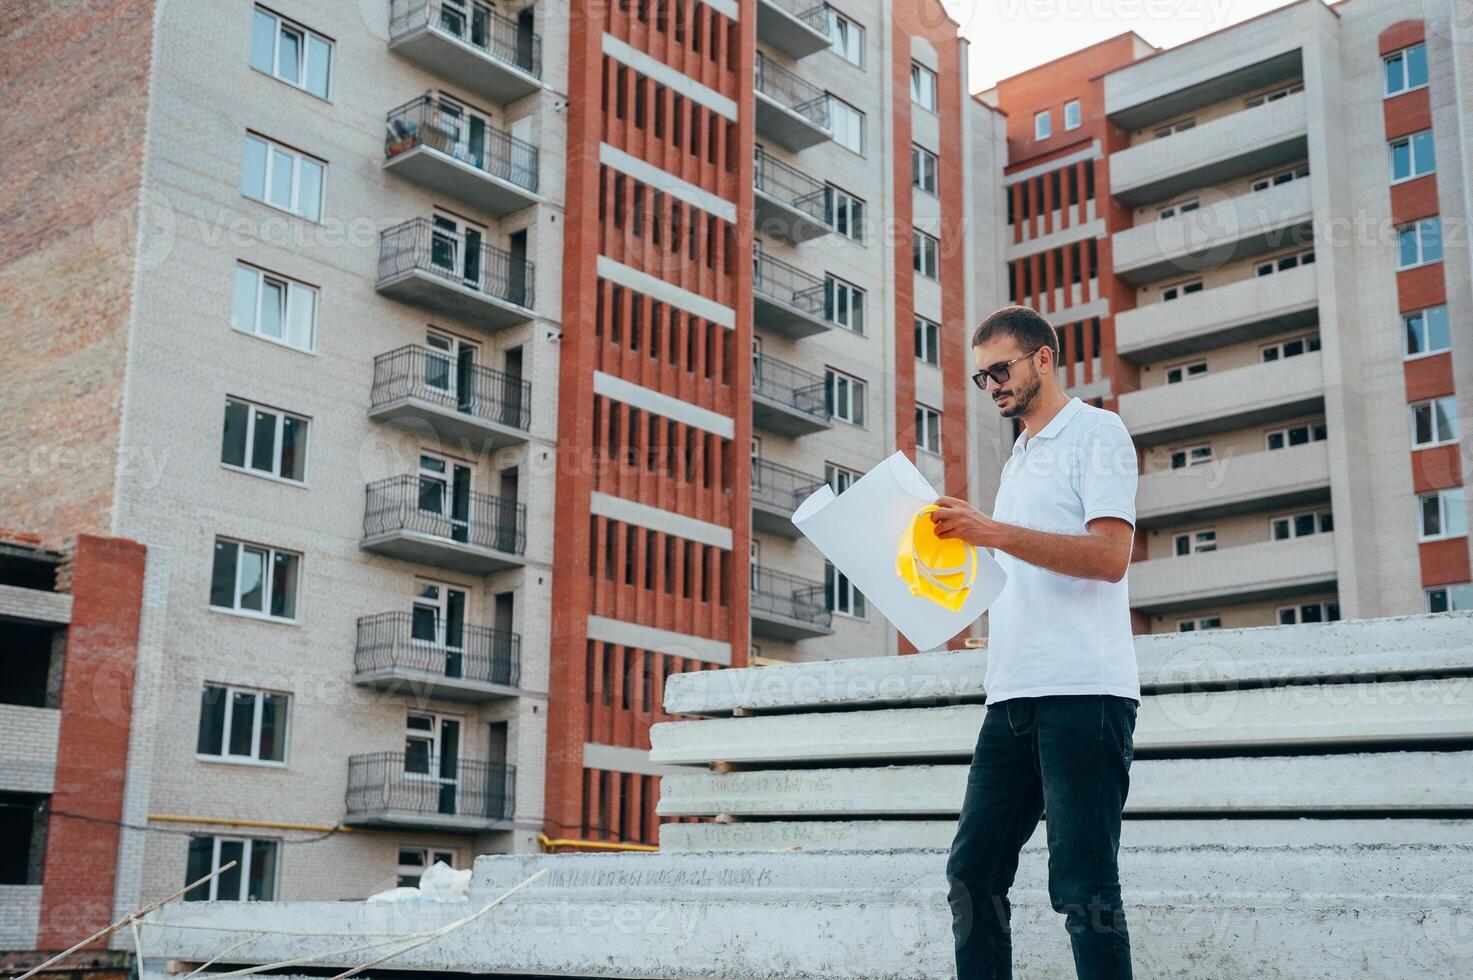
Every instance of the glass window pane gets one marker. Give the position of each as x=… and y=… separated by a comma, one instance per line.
x=1408, y=247
x=252, y=578
x=227, y=886
x=417, y=756
x=1416, y=66
x=1281, y=528
x=1421, y=424
x=1426, y=153
x=289, y=56
x=273, y=299
x=233, y=441
x=1431, y=235
x=242, y=722
x=1299, y=435
x=280, y=191
x=1454, y=513
x=1393, y=74
x=243, y=310
x=263, y=451
x=319, y=66
x=1435, y=325
x=309, y=195
x=302, y=316
x=1431, y=515
x=262, y=886
x=263, y=40
x=201, y=852
x=211, y=722
x=293, y=448
x=1401, y=160
x=222, y=579
x=284, y=586
x=1276, y=440
x=253, y=171
x=1446, y=411
x=1303, y=524
x=273, y=727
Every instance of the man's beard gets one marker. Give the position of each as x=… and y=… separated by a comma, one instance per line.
x=1023, y=397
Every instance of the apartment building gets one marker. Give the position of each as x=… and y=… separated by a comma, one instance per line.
x=457, y=366
x=1252, y=245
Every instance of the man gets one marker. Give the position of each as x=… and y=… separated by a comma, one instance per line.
x=1062, y=685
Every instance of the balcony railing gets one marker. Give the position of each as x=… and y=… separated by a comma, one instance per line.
x=386, y=643
x=426, y=784
x=791, y=186
x=793, y=93
x=417, y=246
x=808, y=12
x=787, y=284
x=781, y=486
x=436, y=376
x=409, y=503
x=423, y=122
x=493, y=35
x=789, y=597
x=789, y=386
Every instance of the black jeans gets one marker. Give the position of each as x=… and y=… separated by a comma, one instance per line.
x=1069, y=754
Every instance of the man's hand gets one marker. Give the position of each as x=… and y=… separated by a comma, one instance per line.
x=1101, y=552
x=955, y=518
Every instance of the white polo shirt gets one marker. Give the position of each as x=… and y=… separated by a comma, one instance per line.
x=1050, y=633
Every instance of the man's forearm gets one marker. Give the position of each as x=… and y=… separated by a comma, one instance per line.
x=1077, y=555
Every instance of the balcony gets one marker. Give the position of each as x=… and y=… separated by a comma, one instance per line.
x=468, y=663
x=484, y=53
x=424, y=266
x=1239, y=484
x=776, y=492
x=1216, y=235
x=790, y=112
x=430, y=793
x=1246, y=142
x=1233, y=399
x=1247, y=573
x=423, y=521
x=794, y=27
x=1216, y=317
x=788, y=400
x=789, y=204
x=785, y=299
x=786, y=607
x=427, y=390
x=461, y=157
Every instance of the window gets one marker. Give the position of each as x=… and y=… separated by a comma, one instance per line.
x=415, y=861
x=1181, y=289
x=1412, y=157
x=1196, y=625
x=1185, y=372
x=282, y=178
x=1043, y=126
x=1434, y=422
x=1282, y=177
x=1180, y=207
x=845, y=213
x=923, y=169
x=274, y=308
x=923, y=86
x=253, y=879
x=1406, y=69
x=928, y=429
x=1419, y=243
x=264, y=440
x=840, y=594
x=838, y=477
x=1177, y=127
x=431, y=746
x=1450, y=598
x=846, y=38
x=1073, y=118
x=242, y=725
x=254, y=579
x=1301, y=525
x=1285, y=262
x=846, y=124
x=925, y=253
x=1196, y=542
x=843, y=304
x=844, y=396
x=1443, y=514
x=438, y=620
x=1274, y=96
x=1310, y=612
x=928, y=341
x=1296, y=435
x=1191, y=456
x=1280, y=349
x=1427, y=331
x=291, y=53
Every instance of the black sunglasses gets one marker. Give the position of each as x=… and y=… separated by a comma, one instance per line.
x=1000, y=373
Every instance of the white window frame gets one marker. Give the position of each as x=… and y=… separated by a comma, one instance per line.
x=924, y=163
x=1198, y=625
x=925, y=254
x=928, y=429
x=278, y=431
x=837, y=108
x=1415, y=229
x=842, y=596
x=839, y=478
x=428, y=857
x=845, y=213
x=281, y=25
x=1417, y=145
x=268, y=580
x=1073, y=115
x=1043, y=125
x=1403, y=70
x=1309, y=344
x=1320, y=514
x=847, y=395
x=1316, y=430
x=928, y=341
x=276, y=155
x=1188, y=372
x=1285, y=262
x=436, y=730
x=254, y=756
x=1199, y=541
x=923, y=86
x=1179, y=289
x=1254, y=101
x=1417, y=322
x=247, y=859
x=1179, y=208
x=1456, y=597
x=1293, y=615
x=1272, y=180
x=1441, y=436
x=295, y=297
x=846, y=36
x=853, y=302
x=1180, y=126
x=1194, y=455
x=1452, y=514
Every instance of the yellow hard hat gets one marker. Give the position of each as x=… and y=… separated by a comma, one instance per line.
x=940, y=569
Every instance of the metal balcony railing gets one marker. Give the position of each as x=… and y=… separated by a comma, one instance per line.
x=781, y=486
x=790, y=386
x=414, y=783
x=411, y=503
x=424, y=122
x=416, y=245
x=495, y=36
x=787, y=284
x=789, y=596
x=791, y=186
x=809, y=13
x=437, y=376
x=788, y=90
x=474, y=653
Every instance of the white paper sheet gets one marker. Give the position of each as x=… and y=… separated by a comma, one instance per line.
x=858, y=531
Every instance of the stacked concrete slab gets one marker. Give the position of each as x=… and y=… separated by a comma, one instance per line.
x=1301, y=807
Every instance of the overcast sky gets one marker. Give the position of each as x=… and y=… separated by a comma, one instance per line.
x=1009, y=36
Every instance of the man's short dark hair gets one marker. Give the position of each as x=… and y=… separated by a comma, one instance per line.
x=1026, y=326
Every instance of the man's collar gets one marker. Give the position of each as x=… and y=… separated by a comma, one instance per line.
x=1056, y=424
